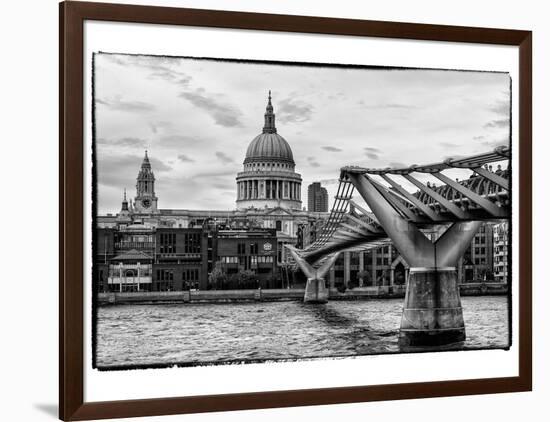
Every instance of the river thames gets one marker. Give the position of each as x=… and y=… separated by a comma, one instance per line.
x=190, y=334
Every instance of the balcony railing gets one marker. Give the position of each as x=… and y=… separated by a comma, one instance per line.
x=130, y=280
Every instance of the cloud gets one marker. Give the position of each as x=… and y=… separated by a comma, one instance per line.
x=499, y=123
x=114, y=58
x=386, y=106
x=448, y=145
x=337, y=96
x=223, y=114
x=501, y=107
x=372, y=153
x=332, y=149
x=293, y=111
x=496, y=142
x=313, y=162
x=397, y=164
x=158, y=165
x=118, y=104
x=176, y=140
x=478, y=138
x=157, y=126
x=113, y=170
x=185, y=159
x=218, y=173
x=224, y=185
x=159, y=66
x=178, y=78
x=124, y=142
x=224, y=158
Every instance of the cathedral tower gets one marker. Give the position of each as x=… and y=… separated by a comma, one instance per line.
x=146, y=200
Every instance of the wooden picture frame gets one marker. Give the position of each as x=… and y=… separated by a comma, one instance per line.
x=71, y=209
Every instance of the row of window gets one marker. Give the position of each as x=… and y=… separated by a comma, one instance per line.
x=188, y=274
x=192, y=243
x=126, y=237
x=240, y=259
x=263, y=165
x=241, y=248
x=167, y=238
x=479, y=240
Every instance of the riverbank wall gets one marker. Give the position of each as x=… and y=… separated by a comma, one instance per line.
x=272, y=295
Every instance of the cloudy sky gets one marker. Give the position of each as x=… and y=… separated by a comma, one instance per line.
x=196, y=118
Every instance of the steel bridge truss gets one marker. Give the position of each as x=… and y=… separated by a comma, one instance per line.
x=452, y=212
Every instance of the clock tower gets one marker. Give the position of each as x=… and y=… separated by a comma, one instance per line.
x=145, y=201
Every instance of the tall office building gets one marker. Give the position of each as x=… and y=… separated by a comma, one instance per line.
x=317, y=198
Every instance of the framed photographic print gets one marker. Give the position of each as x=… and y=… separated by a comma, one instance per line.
x=268, y=210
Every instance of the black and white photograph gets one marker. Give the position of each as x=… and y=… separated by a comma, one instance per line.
x=260, y=211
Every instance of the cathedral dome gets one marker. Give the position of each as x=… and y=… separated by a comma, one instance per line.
x=269, y=147
x=269, y=179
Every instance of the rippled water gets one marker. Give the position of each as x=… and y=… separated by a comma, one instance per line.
x=138, y=335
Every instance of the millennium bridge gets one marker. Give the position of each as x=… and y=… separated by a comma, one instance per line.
x=430, y=227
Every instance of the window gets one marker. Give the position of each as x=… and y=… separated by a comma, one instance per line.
x=278, y=225
x=253, y=248
x=165, y=274
x=241, y=248
x=190, y=277
x=192, y=243
x=168, y=243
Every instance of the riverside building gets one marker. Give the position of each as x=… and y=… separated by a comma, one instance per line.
x=175, y=249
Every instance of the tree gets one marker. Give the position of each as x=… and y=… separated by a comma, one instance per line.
x=242, y=280
x=286, y=269
x=217, y=279
x=485, y=273
x=365, y=275
x=383, y=277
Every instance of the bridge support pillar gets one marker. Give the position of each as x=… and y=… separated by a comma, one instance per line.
x=432, y=313
x=316, y=291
